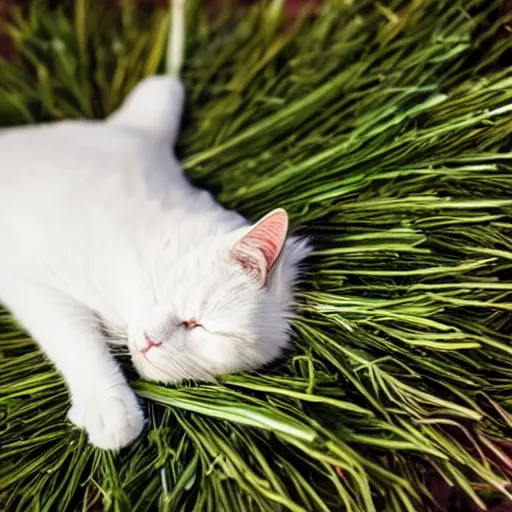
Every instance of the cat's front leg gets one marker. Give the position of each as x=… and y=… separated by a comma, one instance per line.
x=102, y=402
x=112, y=420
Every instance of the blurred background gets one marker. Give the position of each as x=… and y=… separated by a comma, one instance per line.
x=293, y=8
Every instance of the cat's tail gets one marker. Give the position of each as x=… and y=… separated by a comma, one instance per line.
x=155, y=106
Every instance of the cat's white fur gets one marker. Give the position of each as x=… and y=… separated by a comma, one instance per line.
x=100, y=230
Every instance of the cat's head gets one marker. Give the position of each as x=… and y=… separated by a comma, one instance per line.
x=226, y=308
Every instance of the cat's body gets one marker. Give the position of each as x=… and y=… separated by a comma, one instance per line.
x=99, y=228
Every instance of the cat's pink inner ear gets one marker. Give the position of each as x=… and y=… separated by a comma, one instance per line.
x=259, y=249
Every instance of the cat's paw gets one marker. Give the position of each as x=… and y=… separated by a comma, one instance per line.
x=111, y=421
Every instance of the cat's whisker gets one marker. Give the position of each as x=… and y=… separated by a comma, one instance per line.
x=117, y=334
x=184, y=368
x=116, y=342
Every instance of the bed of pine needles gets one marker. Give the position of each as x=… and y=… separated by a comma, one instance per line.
x=384, y=128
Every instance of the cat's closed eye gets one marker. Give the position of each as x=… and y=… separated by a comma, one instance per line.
x=191, y=324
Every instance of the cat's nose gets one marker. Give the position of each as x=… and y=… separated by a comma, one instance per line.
x=150, y=343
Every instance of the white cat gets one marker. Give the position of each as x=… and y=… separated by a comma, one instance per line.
x=100, y=231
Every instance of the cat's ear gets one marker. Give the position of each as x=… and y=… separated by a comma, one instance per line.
x=259, y=249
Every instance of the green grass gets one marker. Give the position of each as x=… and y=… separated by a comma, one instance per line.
x=385, y=130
